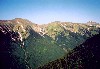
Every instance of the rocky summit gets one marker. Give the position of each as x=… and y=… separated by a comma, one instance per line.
x=26, y=45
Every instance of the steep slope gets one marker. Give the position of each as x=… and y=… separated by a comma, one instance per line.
x=68, y=35
x=10, y=44
x=31, y=45
x=24, y=47
x=41, y=50
x=85, y=56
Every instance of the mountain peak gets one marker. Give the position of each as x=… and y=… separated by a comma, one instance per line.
x=92, y=23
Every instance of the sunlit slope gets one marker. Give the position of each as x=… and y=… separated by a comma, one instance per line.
x=68, y=35
x=31, y=45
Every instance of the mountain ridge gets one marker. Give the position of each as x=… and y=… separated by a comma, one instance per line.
x=56, y=30
x=34, y=45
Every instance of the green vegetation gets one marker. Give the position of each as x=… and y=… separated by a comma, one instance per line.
x=84, y=56
x=41, y=50
x=69, y=35
x=37, y=45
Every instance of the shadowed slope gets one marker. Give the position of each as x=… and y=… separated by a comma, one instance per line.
x=85, y=56
x=7, y=59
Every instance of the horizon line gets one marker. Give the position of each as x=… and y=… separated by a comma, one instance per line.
x=90, y=21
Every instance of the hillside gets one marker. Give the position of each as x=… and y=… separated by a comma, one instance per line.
x=25, y=48
x=84, y=56
x=68, y=34
x=28, y=45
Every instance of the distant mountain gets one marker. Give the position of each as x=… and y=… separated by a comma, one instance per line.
x=29, y=45
x=68, y=35
x=84, y=56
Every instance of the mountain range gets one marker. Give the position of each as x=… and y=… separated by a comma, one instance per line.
x=26, y=45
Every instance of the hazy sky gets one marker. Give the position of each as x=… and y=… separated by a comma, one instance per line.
x=45, y=11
